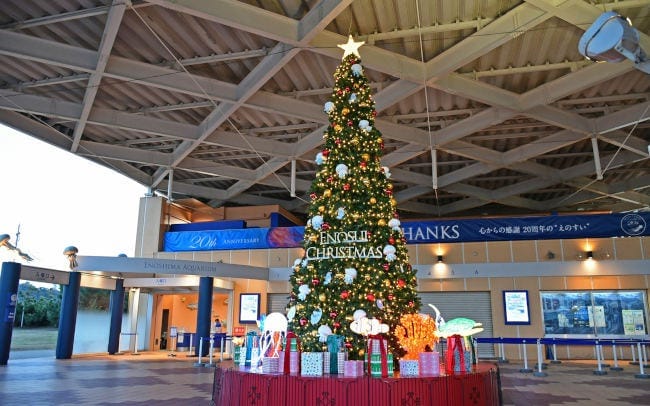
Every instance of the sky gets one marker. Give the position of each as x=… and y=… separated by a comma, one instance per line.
x=60, y=199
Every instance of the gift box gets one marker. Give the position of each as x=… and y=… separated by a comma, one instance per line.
x=236, y=351
x=457, y=359
x=333, y=362
x=378, y=345
x=270, y=365
x=281, y=362
x=409, y=367
x=290, y=358
x=311, y=363
x=429, y=363
x=353, y=368
x=242, y=356
x=376, y=365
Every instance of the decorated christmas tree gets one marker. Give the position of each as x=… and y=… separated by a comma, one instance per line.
x=355, y=260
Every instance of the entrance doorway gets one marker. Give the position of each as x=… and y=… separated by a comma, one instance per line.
x=163, y=329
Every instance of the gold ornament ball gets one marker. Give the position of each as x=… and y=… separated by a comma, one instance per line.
x=355, y=141
x=321, y=209
x=381, y=222
x=327, y=193
x=313, y=238
x=373, y=200
x=366, y=157
x=389, y=186
x=345, y=111
x=380, y=140
x=366, y=182
x=393, y=202
x=337, y=128
x=322, y=297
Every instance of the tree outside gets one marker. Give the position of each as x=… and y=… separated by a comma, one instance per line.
x=355, y=259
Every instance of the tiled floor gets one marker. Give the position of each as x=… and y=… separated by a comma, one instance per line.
x=156, y=379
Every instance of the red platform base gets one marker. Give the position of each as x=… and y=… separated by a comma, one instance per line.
x=241, y=386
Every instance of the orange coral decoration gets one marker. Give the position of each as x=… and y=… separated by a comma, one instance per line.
x=415, y=333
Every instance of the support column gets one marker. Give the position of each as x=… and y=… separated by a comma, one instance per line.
x=8, y=298
x=203, y=314
x=117, y=310
x=68, y=317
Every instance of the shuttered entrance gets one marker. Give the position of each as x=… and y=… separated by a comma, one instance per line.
x=472, y=305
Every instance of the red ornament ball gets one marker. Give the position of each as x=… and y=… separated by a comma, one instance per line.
x=313, y=196
x=411, y=304
x=303, y=321
x=326, y=152
x=386, y=266
x=391, y=240
x=333, y=314
x=363, y=164
x=315, y=281
x=350, y=123
x=330, y=179
x=346, y=187
x=336, y=324
x=345, y=294
x=391, y=296
x=325, y=226
x=337, y=141
x=370, y=297
x=401, y=283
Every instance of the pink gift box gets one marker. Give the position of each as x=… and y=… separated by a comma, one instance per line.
x=429, y=363
x=294, y=362
x=353, y=368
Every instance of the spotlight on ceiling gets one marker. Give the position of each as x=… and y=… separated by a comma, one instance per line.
x=611, y=38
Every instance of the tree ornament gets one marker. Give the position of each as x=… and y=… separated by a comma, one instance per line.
x=346, y=187
x=303, y=321
x=326, y=152
x=391, y=296
x=336, y=324
x=342, y=170
x=327, y=193
x=353, y=98
x=322, y=297
x=357, y=70
x=313, y=196
x=372, y=199
x=320, y=158
x=333, y=315
x=330, y=179
x=401, y=283
x=370, y=297
x=315, y=281
x=365, y=157
x=386, y=267
x=391, y=240
x=321, y=209
x=329, y=107
x=355, y=141
x=345, y=294
x=345, y=111
x=381, y=222
x=337, y=141
x=363, y=164
x=338, y=128
x=350, y=123
x=316, y=316
x=325, y=226
x=366, y=182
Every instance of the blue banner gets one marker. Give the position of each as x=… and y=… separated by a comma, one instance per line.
x=424, y=232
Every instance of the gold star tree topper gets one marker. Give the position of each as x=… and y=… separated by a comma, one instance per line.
x=351, y=47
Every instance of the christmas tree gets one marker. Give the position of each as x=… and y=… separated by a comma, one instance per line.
x=355, y=260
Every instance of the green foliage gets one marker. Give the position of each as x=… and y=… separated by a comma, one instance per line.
x=355, y=252
x=37, y=307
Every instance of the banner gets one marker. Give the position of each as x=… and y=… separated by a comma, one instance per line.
x=426, y=232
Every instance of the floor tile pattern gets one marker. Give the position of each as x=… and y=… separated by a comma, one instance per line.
x=156, y=379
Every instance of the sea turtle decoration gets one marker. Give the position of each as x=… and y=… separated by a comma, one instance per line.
x=459, y=326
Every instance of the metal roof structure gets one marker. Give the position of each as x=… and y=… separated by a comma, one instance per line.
x=486, y=106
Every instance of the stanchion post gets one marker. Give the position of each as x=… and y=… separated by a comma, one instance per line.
x=555, y=360
x=641, y=374
x=211, y=348
x=525, y=369
x=539, y=360
x=191, y=348
x=633, y=351
x=599, y=351
x=135, y=344
x=223, y=338
x=198, y=363
x=615, y=367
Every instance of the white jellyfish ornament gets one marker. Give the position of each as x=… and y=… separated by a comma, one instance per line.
x=303, y=291
x=328, y=107
x=357, y=69
x=342, y=170
x=350, y=274
x=394, y=224
x=317, y=222
x=389, y=251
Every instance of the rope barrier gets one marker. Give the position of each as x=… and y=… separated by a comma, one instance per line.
x=598, y=343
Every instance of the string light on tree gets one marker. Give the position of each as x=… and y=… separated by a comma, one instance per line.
x=355, y=257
